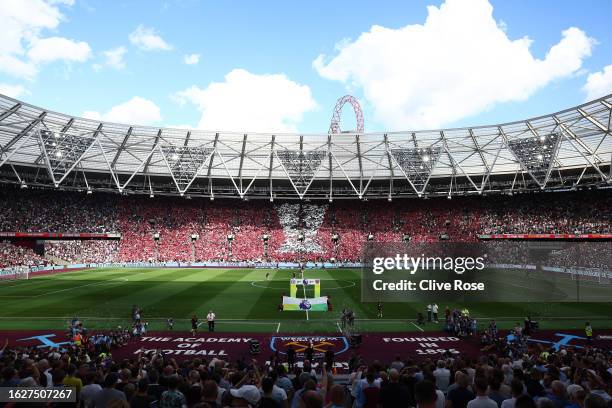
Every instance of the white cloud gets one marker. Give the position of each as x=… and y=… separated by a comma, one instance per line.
x=93, y=115
x=246, y=101
x=113, y=58
x=23, y=20
x=23, y=24
x=58, y=48
x=17, y=67
x=598, y=84
x=137, y=110
x=192, y=59
x=459, y=63
x=146, y=39
x=13, y=91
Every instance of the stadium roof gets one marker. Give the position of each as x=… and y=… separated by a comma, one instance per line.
x=560, y=150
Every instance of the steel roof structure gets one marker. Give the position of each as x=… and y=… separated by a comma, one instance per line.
x=562, y=150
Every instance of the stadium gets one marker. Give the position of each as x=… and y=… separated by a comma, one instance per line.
x=106, y=216
x=456, y=267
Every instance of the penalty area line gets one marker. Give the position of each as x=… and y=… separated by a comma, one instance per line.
x=278, y=328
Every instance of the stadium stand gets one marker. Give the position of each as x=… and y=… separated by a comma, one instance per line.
x=198, y=230
x=86, y=251
x=13, y=255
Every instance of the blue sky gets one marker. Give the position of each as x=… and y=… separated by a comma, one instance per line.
x=280, y=66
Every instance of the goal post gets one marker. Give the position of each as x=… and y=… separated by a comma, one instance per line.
x=591, y=275
x=15, y=273
x=299, y=299
x=315, y=283
x=24, y=273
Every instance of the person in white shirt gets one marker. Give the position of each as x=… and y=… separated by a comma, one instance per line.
x=210, y=317
x=442, y=375
x=429, y=310
x=482, y=400
x=517, y=390
x=434, y=309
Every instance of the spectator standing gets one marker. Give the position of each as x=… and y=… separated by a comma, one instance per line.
x=393, y=394
x=142, y=399
x=481, y=400
x=210, y=393
x=89, y=391
x=173, y=398
x=71, y=380
x=426, y=395
x=108, y=393
x=461, y=395
x=442, y=375
x=249, y=394
x=516, y=387
x=267, y=399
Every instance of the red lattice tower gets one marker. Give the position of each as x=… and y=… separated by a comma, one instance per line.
x=334, y=126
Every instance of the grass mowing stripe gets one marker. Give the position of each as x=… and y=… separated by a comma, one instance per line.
x=352, y=294
x=150, y=290
x=173, y=298
x=234, y=299
x=65, y=302
x=61, y=282
x=266, y=297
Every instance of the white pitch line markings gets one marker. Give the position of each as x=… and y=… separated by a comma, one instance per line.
x=417, y=326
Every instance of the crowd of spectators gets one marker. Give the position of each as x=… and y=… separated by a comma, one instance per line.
x=175, y=229
x=13, y=255
x=583, y=255
x=532, y=375
x=85, y=251
x=553, y=213
x=57, y=211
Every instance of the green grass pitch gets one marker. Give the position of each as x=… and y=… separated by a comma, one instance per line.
x=243, y=301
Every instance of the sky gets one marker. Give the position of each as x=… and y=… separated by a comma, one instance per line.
x=280, y=66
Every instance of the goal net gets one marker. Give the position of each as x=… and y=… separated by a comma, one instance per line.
x=591, y=275
x=305, y=288
x=18, y=272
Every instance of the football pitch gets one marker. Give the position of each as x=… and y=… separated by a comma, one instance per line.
x=244, y=301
